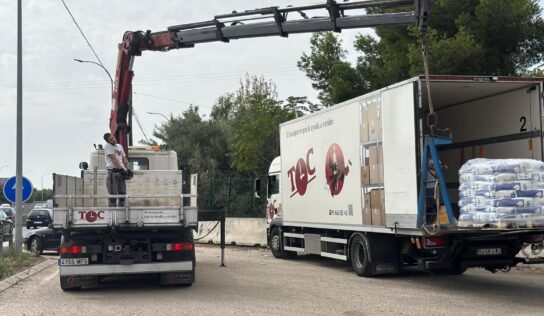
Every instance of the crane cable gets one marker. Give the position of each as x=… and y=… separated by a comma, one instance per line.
x=432, y=117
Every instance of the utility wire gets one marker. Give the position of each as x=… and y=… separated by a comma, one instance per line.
x=139, y=124
x=81, y=31
x=151, y=80
x=171, y=100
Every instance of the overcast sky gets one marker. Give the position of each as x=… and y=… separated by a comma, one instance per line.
x=66, y=104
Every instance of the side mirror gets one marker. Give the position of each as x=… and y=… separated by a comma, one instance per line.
x=83, y=165
x=258, y=188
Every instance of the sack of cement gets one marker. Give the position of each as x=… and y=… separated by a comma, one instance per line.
x=501, y=192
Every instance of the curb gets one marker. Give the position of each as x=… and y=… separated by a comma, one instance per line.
x=15, y=279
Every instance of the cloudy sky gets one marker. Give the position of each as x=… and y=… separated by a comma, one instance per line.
x=66, y=104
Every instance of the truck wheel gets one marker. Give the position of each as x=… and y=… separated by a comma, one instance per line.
x=276, y=245
x=359, y=255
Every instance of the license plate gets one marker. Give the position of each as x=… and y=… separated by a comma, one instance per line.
x=37, y=222
x=73, y=261
x=489, y=251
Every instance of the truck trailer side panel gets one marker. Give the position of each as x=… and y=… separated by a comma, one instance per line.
x=321, y=168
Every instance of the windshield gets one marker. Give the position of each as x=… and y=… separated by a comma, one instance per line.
x=3, y=215
x=42, y=212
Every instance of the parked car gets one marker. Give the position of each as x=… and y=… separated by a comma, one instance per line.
x=6, y=223
x=10, y=211
x=39, y=217
x=38, y=240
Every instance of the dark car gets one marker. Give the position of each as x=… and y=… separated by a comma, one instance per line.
x=6, y=223
x=38, y=240
x=39, y=217
x=10, y=211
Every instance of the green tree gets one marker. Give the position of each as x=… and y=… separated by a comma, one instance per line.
x=465, y=37
x=201, y=145
x=326, y=52
x=255, y=125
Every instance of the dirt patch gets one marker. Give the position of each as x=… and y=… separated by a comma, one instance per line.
x=12, y=263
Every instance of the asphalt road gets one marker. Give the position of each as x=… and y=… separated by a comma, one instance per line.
x=253, y=282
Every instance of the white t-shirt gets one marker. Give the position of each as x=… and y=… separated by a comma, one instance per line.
x=117, y=151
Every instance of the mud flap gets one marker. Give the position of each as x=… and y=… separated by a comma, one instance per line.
x=185, y=278
x=384, y=254
x=78, y=281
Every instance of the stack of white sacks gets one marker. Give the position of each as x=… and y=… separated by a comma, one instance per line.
x=501, y=191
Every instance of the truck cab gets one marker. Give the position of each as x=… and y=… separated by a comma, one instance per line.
x=273, y=195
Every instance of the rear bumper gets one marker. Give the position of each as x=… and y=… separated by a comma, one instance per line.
x=139, y=268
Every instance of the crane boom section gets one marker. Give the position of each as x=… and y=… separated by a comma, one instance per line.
x=270, y=21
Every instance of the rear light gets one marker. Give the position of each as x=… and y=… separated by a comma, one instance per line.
x=180, y=246
x=72, y=250
x=532, y=239
x=432, y=242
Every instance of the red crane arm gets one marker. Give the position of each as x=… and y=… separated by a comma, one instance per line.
x=132, y=45
x=271, y=21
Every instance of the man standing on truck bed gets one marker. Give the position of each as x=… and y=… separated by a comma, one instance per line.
x=116, y=163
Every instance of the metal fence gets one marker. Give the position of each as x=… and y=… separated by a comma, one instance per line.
x=232, y=193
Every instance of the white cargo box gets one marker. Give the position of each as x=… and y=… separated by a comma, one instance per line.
x=327, y=158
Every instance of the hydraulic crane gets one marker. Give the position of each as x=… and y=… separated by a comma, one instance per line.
x=270, y=21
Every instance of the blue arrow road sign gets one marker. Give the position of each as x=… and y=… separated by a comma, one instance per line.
x=9, y=189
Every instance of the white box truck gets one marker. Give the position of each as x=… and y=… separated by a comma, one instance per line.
x=151, y=234
x=347, y=182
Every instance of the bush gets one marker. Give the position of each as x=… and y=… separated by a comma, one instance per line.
x=10, y=261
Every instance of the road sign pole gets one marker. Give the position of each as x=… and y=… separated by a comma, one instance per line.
x=19, y=168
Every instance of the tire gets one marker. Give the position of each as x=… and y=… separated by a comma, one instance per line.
x=35, y=246
x=276, y=245
x=360, y=256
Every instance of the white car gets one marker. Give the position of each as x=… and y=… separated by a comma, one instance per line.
x=6, y=223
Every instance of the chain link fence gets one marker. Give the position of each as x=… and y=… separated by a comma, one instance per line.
x=233, y=193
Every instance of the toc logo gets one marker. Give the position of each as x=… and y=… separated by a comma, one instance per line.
x=301, y=174
x=335, y=169
x=91, y=216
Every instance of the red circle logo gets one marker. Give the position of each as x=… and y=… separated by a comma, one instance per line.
x=335, y=169
x=301, y=176
x=91, y=216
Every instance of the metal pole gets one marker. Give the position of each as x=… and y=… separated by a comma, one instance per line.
x=228, y=197
x=223, y=239
x=19, y=167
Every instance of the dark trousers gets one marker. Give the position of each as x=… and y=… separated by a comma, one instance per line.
x=115, y=186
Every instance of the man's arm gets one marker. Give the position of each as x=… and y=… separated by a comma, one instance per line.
x=115, y=162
